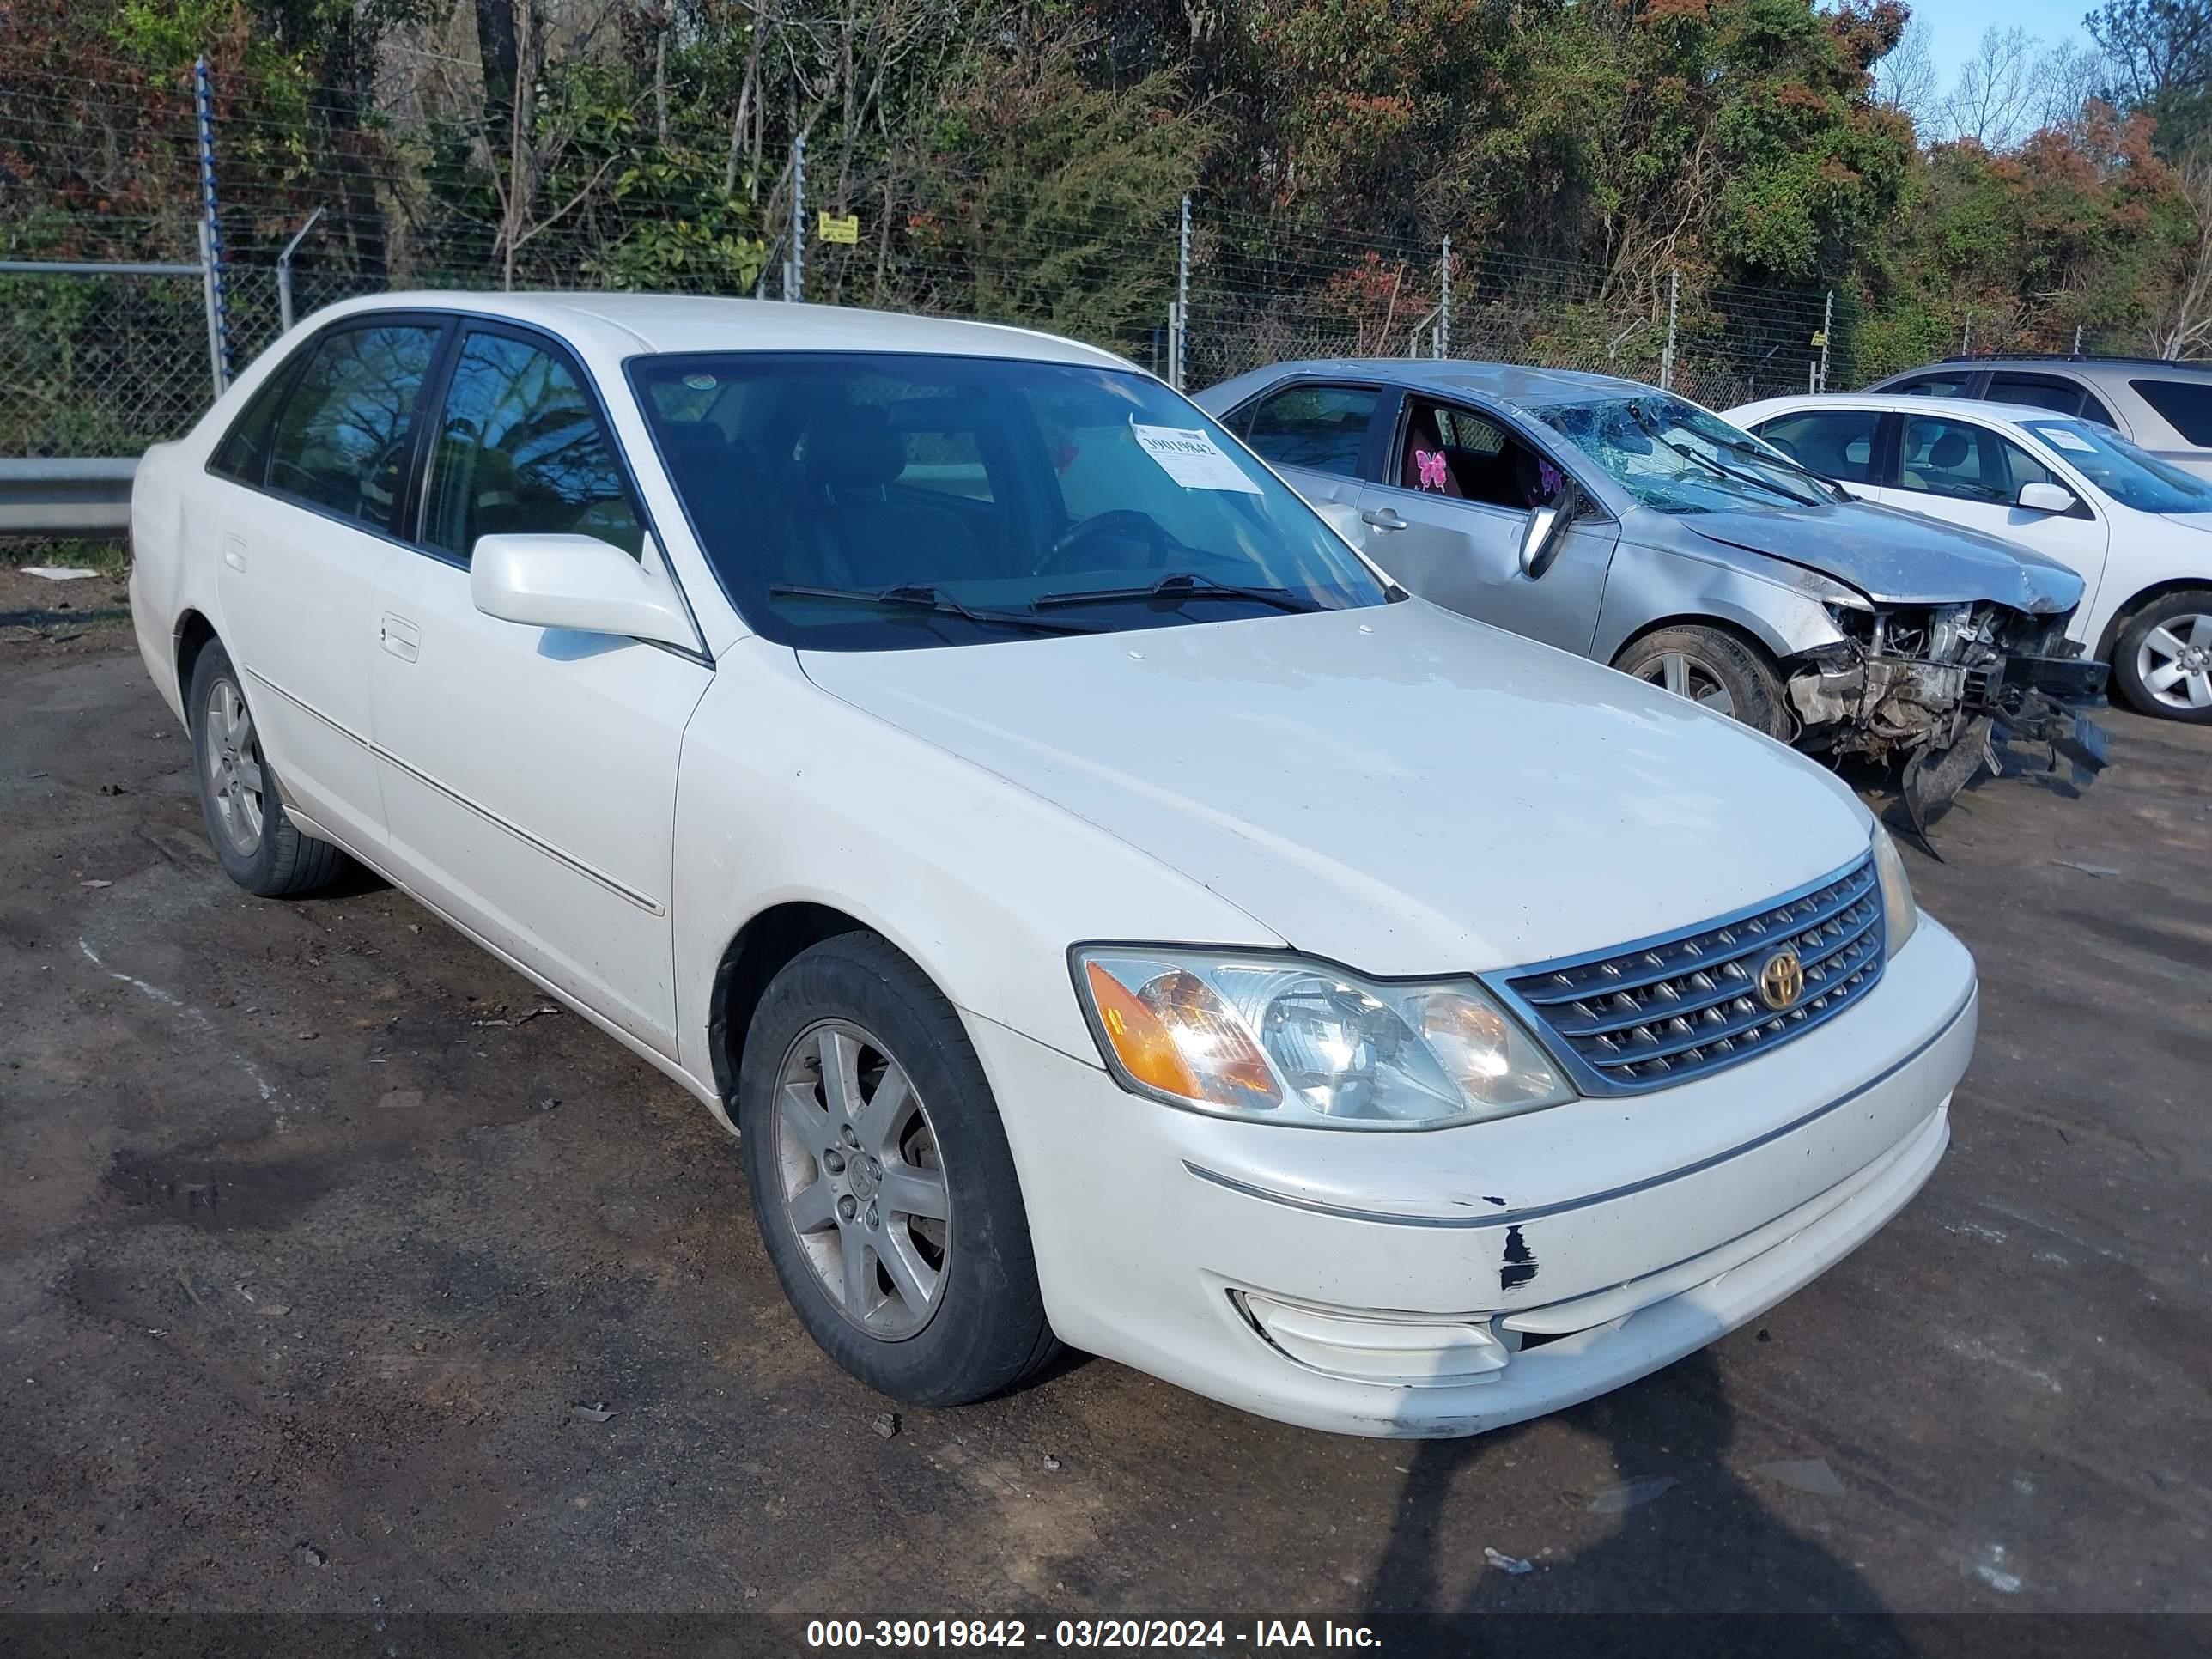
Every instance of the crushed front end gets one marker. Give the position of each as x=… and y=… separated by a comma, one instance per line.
x=1951, y=691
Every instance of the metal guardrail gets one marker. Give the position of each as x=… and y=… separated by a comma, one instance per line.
x=66, y=496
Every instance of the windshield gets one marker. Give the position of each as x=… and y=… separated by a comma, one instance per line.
x=2132, y=477
x=865, y=502
x=1674, y=456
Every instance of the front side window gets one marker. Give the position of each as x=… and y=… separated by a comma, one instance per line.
x=2185, y=406
x=342, y=441
x=1936, y=385
x=865, y=501
x=1322, y=428
x=521, y=451
x=1675, y=457
x=2047, y=391
x=1838, y=443
x=1965, y=462
x=1454, y=452
x=2124, y=470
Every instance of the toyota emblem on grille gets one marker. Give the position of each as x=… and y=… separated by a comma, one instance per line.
x=1781, y=981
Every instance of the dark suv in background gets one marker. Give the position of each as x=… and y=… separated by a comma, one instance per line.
x=2165, y=407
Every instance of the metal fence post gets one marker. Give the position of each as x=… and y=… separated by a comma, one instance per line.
x=218, y=301
x=1966, y=338
x=1443, y=302
x=1667, y=351
x=284, y=272
x=794, y=268
x=1827, y=327
x=1178, y=333
x=2077, y=339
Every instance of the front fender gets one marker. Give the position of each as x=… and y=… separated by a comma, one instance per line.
x=1782, y=606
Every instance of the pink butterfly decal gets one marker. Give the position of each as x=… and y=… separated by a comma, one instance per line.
x=1432, y=463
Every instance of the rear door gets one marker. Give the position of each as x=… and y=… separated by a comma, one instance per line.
x=306, y=548
x=529, y=773
x=1967, y=473
x=1447, y=524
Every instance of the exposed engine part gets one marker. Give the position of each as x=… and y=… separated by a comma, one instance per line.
x=1945, y=688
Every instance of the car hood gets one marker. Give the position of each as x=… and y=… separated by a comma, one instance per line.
x=1896, y=557
x=1397, y=788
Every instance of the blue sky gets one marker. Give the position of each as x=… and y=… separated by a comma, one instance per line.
x=1955, y=26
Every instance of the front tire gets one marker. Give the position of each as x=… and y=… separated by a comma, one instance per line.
x=1714, y=668
x=881, y=1179
x=2163, y=658
x=255, y=840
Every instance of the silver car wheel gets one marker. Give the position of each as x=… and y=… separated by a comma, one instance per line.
x=2174, y=662
x=234, y=773
x=1686, y=677
x=863, y=1182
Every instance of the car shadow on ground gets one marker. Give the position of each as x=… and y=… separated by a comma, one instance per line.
x=1692, y=1535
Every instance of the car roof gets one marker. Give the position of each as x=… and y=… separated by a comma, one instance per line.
x=2058, y=360
x=624, y=325
x=1511, y=383
x=1908, y=403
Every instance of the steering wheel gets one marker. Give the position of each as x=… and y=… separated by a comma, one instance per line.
x=1126, y=520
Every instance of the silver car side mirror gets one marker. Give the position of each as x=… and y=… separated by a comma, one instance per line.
x=2044, y=497
x=1545, y=533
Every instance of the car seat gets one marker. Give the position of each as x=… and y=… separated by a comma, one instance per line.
x=863, y=537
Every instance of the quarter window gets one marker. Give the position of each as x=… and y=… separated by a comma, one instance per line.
x=1321, y=428
x=243, y=454
x=1838, y=443
x=342, y=441
x=2185, y=406
x=1966, y=462
x=521, y=451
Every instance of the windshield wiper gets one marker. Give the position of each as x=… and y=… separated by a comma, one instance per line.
x=1775, y=457
x=1177, y=584
x=921, y=596
x=1636, y=413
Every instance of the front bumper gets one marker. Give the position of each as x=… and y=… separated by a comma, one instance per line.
x=1621, y=1234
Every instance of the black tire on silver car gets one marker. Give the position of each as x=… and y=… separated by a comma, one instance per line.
x=1726, y=672
x=254, y=837
x=2163, y=660
x=882, y=1182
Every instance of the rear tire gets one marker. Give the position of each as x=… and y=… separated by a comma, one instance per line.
x=881, y=1179
x=254, y=837
x=2163, y=660
x=1711, y=666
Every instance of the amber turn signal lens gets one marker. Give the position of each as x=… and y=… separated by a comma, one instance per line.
x=1174, y=1035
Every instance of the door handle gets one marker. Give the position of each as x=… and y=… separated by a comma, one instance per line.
x=1382, y=518
x=400, y=637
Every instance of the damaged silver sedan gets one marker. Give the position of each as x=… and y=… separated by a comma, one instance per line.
x=1623, y=523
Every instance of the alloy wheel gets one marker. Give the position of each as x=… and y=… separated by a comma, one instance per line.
x=2174, y=662
x=1686, y=677
x=235, y=775
x=863, y=1183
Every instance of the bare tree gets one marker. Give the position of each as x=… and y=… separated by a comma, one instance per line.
x=1997, y=95
x=1906, y=78
x=2187, y=325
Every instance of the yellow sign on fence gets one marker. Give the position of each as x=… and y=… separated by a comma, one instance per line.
x=845, y=229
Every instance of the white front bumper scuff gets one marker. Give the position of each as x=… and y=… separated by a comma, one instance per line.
x=1617, y=1235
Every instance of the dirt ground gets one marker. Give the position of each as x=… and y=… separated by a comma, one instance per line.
x=318, y=1233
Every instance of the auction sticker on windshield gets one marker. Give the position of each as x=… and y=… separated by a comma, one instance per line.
x=1191, y=458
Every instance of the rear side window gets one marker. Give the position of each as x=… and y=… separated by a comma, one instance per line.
x=520, y=451
x=1321, y=428
x=1935, y=385
x=1838, y=442
x=2054, y=392
x=2185, y=405
x=342, y=441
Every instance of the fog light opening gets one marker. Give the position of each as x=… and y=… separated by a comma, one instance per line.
x=1410, y=1351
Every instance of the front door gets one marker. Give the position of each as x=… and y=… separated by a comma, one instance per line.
x=530, y=773
x=1449, y=525
x=304, y=553
x=1965, y=473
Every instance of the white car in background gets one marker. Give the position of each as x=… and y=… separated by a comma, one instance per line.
x=1111, y=911
x=2137, y=528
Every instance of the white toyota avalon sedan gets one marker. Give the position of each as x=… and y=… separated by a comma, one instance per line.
x=1109, y=910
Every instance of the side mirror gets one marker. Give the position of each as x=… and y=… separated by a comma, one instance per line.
x=1545, y=533
x=578, y=582
x=2041, y=498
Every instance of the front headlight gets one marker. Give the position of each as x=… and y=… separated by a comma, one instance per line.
x=1281, y=1040
x=1899, y=914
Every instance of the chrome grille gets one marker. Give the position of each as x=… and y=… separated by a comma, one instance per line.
x=1665, y=1010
